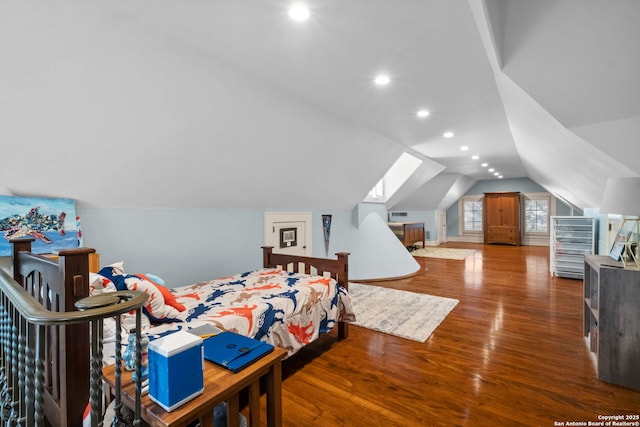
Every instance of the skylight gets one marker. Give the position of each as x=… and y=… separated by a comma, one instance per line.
x=395, y=177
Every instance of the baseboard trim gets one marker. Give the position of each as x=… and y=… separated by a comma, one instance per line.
x=385, y=279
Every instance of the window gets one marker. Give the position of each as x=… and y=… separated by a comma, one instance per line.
x=536, y=214
x=470, y=212
x=472, y=216
x=377, y=192
x=395, y=178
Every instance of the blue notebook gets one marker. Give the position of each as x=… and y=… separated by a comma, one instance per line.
x=234, y=351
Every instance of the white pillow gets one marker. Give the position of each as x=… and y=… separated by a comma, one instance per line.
x=99, y=284
x=118, y=267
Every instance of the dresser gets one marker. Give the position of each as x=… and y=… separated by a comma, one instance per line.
x=611, y=327
x=501, y=218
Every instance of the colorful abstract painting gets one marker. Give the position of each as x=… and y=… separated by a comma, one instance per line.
x=51, y=222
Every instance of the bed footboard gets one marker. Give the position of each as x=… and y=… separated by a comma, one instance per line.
x=337, y=269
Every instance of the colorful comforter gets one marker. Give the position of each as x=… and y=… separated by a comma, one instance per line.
x=288, y=310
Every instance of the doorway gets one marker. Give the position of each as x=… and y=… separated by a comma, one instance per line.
x=442, y=227
x=288, y=232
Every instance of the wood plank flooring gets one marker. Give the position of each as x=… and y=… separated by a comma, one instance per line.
x=511, y=353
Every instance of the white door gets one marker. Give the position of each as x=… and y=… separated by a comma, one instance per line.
x=442, y=226
x=288, y=233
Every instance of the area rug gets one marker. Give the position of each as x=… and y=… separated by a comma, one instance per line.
x=404, y=314
x=447, y=253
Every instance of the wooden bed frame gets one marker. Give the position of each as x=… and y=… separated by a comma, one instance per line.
x=67, y=373
x=409, y=233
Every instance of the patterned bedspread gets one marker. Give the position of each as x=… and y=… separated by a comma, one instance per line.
x=288, y=310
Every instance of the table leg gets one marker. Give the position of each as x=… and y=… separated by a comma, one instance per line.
x=254, y=404
x=207, y=420
x=233, y=411
x=274, y=396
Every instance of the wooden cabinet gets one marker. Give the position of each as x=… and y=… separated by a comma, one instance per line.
x=409, y=233
x=611, y=326
x=501, y=218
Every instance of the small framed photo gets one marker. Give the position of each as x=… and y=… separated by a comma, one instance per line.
x=288, y=237
x=618, y=246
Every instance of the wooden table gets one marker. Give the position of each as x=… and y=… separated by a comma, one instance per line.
x=219, y=385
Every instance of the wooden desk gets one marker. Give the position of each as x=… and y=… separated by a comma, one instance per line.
x=219, y=385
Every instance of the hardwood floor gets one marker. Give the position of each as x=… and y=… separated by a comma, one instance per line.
x=511, y=353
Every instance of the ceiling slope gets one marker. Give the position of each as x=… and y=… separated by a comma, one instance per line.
x=124, y=116
x=439, y=193
x=570, y=164
x=229, y=103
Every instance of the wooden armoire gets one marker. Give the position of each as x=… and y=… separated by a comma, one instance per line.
x=501, y=215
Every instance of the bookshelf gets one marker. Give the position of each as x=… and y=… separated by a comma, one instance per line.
x=572, y=237
x=611, y=326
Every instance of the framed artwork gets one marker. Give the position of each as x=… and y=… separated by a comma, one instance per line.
x=52, y=222
x=288, y=237
x=618, y=246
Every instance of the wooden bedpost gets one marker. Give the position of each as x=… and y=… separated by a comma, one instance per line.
x=343, y=266
x=266, y=256
x=74, y=339
x=19, y=245
x=75, y=265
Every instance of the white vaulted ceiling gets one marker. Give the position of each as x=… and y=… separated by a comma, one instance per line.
x=230, y=103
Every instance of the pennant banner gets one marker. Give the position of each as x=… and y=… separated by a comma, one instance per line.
x=326, y=228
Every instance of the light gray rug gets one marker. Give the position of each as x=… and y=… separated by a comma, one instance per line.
x=447, y=253
x=404, y=314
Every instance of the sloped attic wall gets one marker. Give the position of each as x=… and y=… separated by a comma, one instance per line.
x=439, y=193
x=154, y=121
x=165, y=146
x=554, y=120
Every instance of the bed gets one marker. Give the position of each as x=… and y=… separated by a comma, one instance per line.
x=67, y=386
x=409, y=233
x=287, y=304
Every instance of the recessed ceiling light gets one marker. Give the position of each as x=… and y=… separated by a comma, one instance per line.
x=464, y=148
x=496, y=173
x=484, y=165
x=382, y=80
x=422, y=114
x=476, y=157
x=500, y=176
x=299, y=13
x=448, y=134
x=491, y=170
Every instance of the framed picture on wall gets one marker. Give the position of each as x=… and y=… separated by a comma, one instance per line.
x=50, y=221
x=618, y=246
x=288, y=237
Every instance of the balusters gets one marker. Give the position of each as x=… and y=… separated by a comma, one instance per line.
x=95, y=377
x=41, y=332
